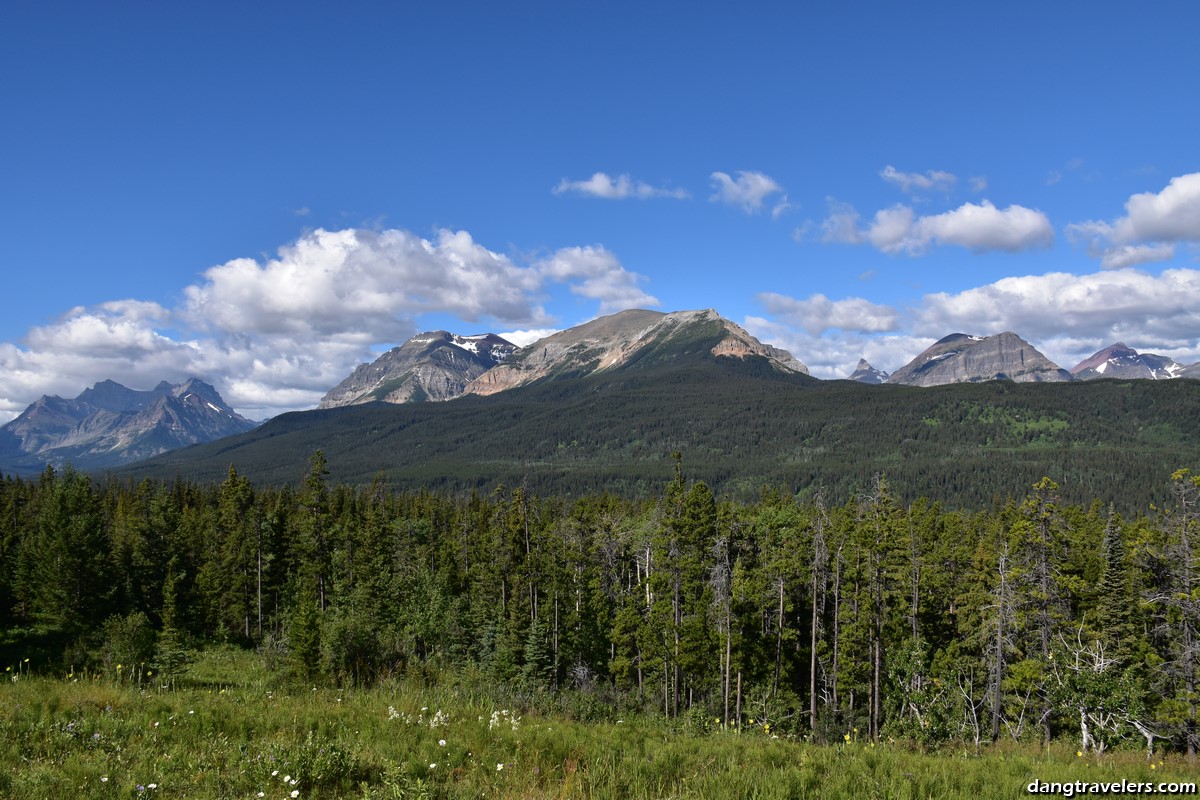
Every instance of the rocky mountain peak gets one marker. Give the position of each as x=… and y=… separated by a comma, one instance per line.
x=434, y=365
x=865, y=373
x=110, y=424
x=1123, y=362
x=963, y=358
x=621, y=339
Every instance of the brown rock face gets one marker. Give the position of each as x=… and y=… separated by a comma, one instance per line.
x=960, y=358
x=613, y=341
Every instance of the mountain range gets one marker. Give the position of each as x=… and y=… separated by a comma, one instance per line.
x=110, y=424
x=438, y=365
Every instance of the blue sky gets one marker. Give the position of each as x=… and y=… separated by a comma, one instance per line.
x=265, y=195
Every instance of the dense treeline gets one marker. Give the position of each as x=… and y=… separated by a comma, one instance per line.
x=871, y=617
x=741, y=425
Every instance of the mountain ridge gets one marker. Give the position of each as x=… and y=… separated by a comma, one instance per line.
x=109, y=424
x=434, y=365
x=964, y=358
x=1121, y=361
x=625, y=338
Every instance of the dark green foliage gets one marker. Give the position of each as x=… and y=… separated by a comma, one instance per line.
x=742, y=425
x=171, y=654
x=1031, y=619
x=128, y=644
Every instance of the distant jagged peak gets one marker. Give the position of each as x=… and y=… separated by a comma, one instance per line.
x=865, y=373
x=108, y=395
x=433, y=365
x=109, y=424
x=1123, y=362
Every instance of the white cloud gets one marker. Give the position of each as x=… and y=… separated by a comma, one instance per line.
x=1068, y=314
x=619, y=188
x=1172, y=215
x=363, y=283
x=841, y=224
x=892, y=230
x=982, y=228
x=1130, y=255
x=595, y=273
x=932, y=180
x=834, y=355
x=748, y=190
x=979, y=228
x=978, y=184
x=274, y=335
x=1067, y=317
x=818, y=313
x=1151, y=219
x=524, y=338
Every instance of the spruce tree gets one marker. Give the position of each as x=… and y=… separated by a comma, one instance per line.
x=171, y=655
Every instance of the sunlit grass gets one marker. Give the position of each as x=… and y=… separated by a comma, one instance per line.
x=228, y=732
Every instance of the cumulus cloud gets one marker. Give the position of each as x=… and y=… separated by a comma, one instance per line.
x=979, y=228
x=1115, y=304
x=817, y=314
x=1130, y=255
x=117, y=338
x=524, y=338
x=984, y=227
x=1152, y=220
x=749, y=190
x=595, y=273
x=834, y=355
x=1067, y=317
x=274, y=335
x=619, y=188
x=932, y=180
x=1172, y=215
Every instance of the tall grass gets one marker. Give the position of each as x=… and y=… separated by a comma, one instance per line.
x=227, y=732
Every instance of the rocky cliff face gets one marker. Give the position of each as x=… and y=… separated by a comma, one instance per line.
x=430, y=366
x=625, y=338
x=960, y=358
x=110, y=424
x=1119, y=361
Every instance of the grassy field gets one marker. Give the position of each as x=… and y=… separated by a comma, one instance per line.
x=227, y=731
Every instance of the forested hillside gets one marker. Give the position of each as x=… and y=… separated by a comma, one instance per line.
x=741, y=425
x=884, y=614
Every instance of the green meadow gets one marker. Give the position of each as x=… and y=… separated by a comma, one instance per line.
x=230, y=729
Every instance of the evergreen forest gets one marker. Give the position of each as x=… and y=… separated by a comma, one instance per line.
x=877, y=617
x=740, y=425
